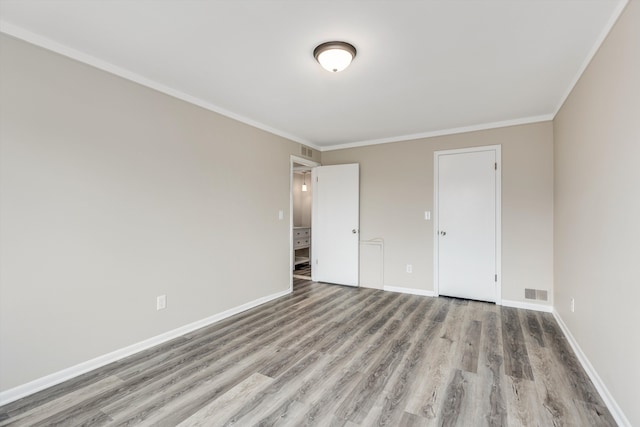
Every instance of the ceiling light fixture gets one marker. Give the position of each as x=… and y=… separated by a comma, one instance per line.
x=334, y=56
x=304, y=181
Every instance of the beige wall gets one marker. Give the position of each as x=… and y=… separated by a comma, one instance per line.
x=396, y=187
x=296, y=196
x=112, y=194
x=301, y=201
x=597, y=209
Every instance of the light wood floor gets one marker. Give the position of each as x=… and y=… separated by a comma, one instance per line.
x=333, y=355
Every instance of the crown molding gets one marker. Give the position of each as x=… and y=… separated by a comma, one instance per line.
x=443, y=132
x=594, y=49
x=49, y=44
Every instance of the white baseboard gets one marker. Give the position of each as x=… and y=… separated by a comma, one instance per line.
x=527, y=305
x=84, y=367
x=615, y=410
x=411, y=291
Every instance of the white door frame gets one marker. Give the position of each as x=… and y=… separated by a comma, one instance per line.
x=436, y=228
x=305, y=162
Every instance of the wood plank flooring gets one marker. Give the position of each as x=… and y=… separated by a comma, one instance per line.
x=329, y=355
x=301, y=274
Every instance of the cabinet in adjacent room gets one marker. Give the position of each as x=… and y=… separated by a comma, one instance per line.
x=301, y=244
x=301, y=196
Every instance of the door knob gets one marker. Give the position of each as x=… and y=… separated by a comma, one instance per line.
x=354, y=231
x=443, y=233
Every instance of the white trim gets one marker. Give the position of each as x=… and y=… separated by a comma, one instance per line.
x=527, y=305
x=436, y=247
x=594, y=49
x=306, y=162
x=47, y=43
x=499, y=223
x=410, y=291
x=89, y=365
x=303, y=161
x=608, y=399
x=442, y=132
x=436, y=155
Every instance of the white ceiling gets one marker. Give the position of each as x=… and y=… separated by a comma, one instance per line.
x=423, y=67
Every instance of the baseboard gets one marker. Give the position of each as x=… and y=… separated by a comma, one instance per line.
x=527, y=305
x=84, y=367
x=411, y=291
x=615, y=410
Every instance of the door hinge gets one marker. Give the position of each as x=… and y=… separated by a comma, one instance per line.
x=496, y=277
x=495, y=166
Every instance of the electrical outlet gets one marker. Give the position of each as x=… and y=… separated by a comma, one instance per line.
x=573, y=305
x=161, y=302
x=409, y=268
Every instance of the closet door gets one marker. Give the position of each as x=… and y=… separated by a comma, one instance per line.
x=467, y=221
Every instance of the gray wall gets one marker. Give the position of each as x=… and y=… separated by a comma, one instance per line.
x=112, y=194
x=597, y=209
x=396, y=187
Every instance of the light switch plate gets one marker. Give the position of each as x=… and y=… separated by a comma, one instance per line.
x=161, y=302
x=280, y=215
x=427, y=215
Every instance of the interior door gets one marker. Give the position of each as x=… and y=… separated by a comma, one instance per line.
x=335, y=224
x=466, y=234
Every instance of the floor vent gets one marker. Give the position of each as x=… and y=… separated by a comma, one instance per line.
x=537, y=294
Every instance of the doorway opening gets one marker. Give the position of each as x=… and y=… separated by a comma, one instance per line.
x=300, y=213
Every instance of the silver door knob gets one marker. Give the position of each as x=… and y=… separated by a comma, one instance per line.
x=354, y=231
x=443, y=233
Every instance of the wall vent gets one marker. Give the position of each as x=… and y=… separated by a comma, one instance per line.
x=537, y=294
x=306, y=151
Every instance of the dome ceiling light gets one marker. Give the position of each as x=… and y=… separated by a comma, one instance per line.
x=334, y=56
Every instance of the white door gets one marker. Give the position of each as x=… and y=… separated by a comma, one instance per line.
x=467, y=223
x=335, y=224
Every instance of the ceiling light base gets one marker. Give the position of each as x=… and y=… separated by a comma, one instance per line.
x=334, y=56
